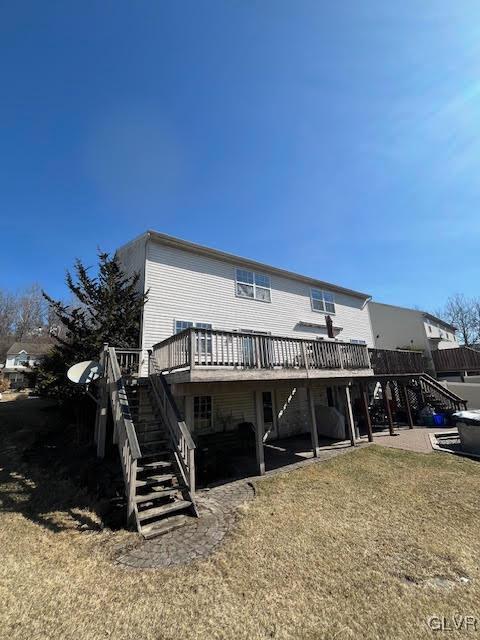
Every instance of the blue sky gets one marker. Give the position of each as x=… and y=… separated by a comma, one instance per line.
x=340, y=140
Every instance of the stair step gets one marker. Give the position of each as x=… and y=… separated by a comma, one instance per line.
x=154, y=454
x=151, y=466
x=152, y=480
x=150, y=423
x=164, y=526
x=154, y=443
x=149, y=497
x=147, y=437
x=172, y=507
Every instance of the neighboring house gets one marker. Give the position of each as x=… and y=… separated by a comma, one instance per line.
x=22, y=360
x=402, y=328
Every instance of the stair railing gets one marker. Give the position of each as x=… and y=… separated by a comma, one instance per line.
x=429, y=384
x=123, y=429
x=180, y=437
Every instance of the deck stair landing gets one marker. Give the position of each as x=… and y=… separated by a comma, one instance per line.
x=162, y=502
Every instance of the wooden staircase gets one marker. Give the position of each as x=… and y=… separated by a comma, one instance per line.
x=430, y=391
x=162, y=500
x=421, y=390
x=156, y=450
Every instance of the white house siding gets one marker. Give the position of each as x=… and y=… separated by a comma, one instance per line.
x=187, y=286
x=397, y=328
x=434, y=330
x=132, y=258
x=32, y=362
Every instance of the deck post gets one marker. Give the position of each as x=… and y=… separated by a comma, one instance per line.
x=150, y=356
x=259, y=429
x=103, y=405
x=349, y=416
x=407, y=406
x=388, y=408
x=366, y=413
x=313, y=422
x=191, y=348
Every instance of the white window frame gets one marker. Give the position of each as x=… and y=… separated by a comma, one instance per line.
x=253, y=284
x=197, y=428
x=203, y=343
x=21, y=359
x=190, y=325
x=326, y=311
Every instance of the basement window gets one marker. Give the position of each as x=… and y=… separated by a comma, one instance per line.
x=202, y=413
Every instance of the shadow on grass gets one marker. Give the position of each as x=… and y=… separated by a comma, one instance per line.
x=49, y=472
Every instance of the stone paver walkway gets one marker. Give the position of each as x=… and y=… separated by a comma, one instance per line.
x=217, y=508
x=417, y=439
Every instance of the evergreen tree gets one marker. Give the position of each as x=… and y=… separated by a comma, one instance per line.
x=108, y=311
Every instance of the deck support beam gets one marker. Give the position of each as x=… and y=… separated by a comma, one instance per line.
x=366, y=413
x=349, y=416
x=408, y=408
x=259, y=431
x=313, y=423
x=388, y=408
x=102, y=409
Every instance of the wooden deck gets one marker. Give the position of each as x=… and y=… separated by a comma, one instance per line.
x=396, y=361
x=456, y=360
x=199, y=355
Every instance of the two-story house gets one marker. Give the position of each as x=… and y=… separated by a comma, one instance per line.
x=237, y=356
x=247, y=318
x=22, y=360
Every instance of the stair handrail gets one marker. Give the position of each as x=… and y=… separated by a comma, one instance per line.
x=124, y=433
x=444, y=390
x=180, y=437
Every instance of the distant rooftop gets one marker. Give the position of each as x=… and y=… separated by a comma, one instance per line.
x=30, y=347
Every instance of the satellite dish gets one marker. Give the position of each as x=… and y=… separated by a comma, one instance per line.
x=85, y=372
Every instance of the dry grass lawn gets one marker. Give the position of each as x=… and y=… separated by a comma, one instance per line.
x=367, y=545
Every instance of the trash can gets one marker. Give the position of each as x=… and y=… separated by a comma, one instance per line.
x=439, y=419
x=468, y=425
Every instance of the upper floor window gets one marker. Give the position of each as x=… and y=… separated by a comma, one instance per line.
x=21, y=358
x=203, y=341
x=323, y=301
x=253, y=285
x=181, y=325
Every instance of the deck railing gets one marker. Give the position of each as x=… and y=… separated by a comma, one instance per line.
x=212, y=348
x=129, y=361
x=393, y=361
x=459, y=359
